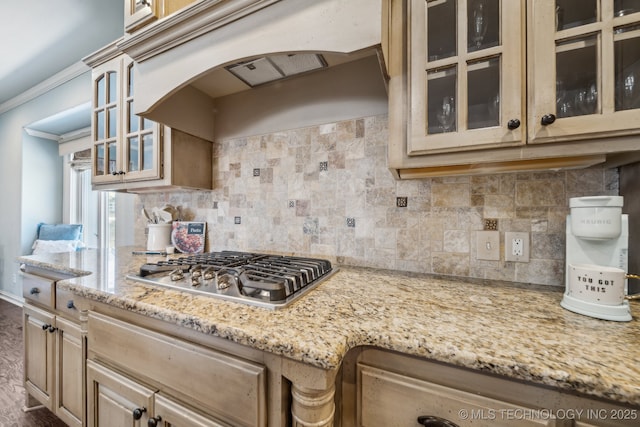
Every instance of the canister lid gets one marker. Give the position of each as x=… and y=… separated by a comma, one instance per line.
x=596, y=201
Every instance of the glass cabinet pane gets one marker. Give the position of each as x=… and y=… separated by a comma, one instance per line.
x=147, y=152
x=484, y=93
x=101, y=91
x=577, y=77
x=147, y=124
x=112, y=118
x=111, y=160
x=113, y=87
x=441, y=29
x=99, y=160
x=133, y=148
x=441, y=108
x=625, y=7
x=130, y=80
x=574, y=13
x=100, y=125
x=133, y=121
x=627, y=68
x=483, y=24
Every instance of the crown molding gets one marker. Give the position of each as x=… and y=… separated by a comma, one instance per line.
x=45, y=86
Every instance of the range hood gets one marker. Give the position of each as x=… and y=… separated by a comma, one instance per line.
x=215, y=48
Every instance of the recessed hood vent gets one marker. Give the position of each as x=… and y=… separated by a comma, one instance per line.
x=270, y=68
x=211, y=49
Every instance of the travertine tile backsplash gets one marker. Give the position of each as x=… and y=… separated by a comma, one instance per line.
x=326, y=191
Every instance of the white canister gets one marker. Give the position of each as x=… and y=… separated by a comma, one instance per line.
x=158, y=237
x=597, y=217
x=597, y=283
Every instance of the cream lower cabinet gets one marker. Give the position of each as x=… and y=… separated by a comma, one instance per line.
x=53, y=364
x=384, y=388
x=137, y=376
x=115, y=400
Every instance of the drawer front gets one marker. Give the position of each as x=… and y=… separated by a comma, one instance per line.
x=70, y=304
x=38, y=289
x=389, y=399
x=230, y=388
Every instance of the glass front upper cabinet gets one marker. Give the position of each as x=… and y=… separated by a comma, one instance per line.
x=142, y=148
x=106, y=122
x=585, y=71
x=466, y=74
x=138, y=13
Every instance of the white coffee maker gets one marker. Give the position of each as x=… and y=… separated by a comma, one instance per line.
x=597, y=236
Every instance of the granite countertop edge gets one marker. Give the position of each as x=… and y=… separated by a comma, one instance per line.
x=536, y=345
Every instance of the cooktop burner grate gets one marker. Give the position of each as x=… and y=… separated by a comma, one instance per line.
x=258, y=279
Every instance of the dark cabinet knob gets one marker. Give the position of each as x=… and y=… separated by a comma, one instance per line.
x=114, y=173
x=45, y=326
x=433, y=421
x=34, y=291
x=121, y=173
x=52, y=329
x=513, y=124
x=70, y=304
x=547, y=119
x=137, y=413
x=153, y=422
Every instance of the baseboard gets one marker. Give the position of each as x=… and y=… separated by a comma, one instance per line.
x=13, y=299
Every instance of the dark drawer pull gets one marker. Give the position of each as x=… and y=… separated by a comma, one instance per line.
x=70, y=304
x=154, y=422
x=433, y=421
x=137, y=413
x=34, y=291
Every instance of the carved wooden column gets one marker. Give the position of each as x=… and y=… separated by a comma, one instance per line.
x=312, y=408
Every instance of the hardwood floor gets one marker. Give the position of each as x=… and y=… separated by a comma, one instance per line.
x=12, y=394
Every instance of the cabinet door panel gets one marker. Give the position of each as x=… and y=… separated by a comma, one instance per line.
x=69, y=373
x=112, y=398
x=466, y=75
x=38, y=354
x=173, y=414
x=389, y=399
x=584, y=70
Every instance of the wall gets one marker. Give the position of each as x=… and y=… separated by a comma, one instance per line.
x=61, y=98
x=41, y=187
x=325, y=191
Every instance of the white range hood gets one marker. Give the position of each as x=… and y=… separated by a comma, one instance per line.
x=184, y=61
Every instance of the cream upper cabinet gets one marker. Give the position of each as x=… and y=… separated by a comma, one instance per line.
x=466, y=76
x=138, y=13
x=485, y=86
x=133, y=153
x=585, y=69
x=125, y=146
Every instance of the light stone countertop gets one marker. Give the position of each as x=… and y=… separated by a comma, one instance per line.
x=517, y=331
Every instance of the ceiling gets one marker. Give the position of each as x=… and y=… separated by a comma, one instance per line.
x=43, y=37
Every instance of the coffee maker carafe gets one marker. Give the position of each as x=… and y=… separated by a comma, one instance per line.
x=597, y=243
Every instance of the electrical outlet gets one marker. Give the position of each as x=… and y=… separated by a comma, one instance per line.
x=488, y=245
x=516, y=246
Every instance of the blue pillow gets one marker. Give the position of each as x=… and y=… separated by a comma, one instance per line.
x=59, y=231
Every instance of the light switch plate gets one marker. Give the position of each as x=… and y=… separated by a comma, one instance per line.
x=516, y=246
x=488, y=245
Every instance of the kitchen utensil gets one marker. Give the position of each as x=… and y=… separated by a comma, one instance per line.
x=147, y=216
x=599, y=284
x=161, y=216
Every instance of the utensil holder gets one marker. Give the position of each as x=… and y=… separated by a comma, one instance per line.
x=158, y=237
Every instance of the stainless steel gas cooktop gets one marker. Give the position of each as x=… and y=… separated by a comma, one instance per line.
x=270, y=281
